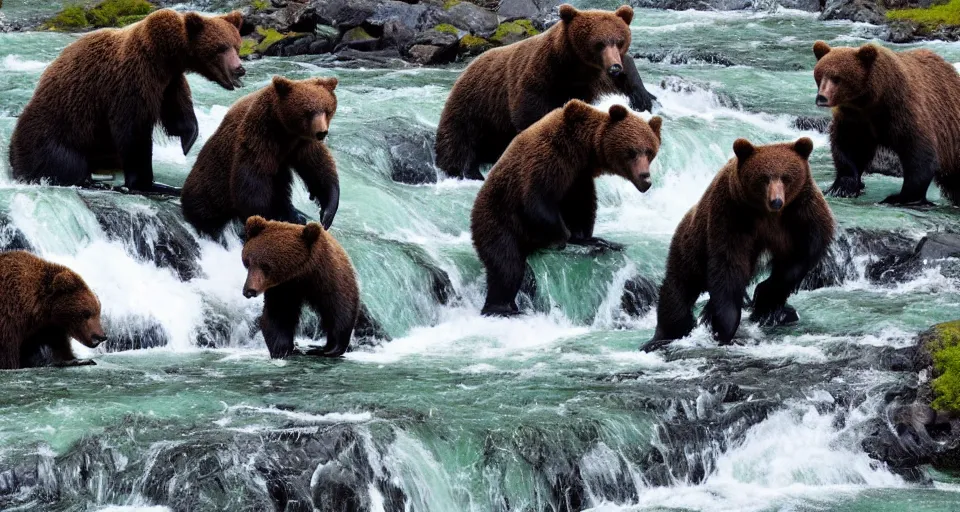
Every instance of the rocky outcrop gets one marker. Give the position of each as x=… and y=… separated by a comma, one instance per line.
x=862, y=11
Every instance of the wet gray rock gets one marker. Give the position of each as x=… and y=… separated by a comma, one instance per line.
x=355, y=59
x=306, y=44
x=153, y=233
x=684, y=57
x=901, y=265
x=471, y=18
x=411, y=147
x=810, y=123
x=433, y=47
x=639, y=296
x=803, y=5
x=133, y=334
x=862, y=11
x=535, y=10
x=345, y=13
x=901, y=31
x=11, y=238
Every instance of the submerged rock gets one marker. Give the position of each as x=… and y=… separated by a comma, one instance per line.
x=639, y=296
x=933, y=251
x=411, y=146
x=133, y=334
x=684, y=57
x=11, y=238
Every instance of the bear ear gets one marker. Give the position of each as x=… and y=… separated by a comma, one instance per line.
x=803, y=147
x=567, y=12
x=234, y=18
x=867, y=54
x=255, y=226
x=328, y=83
x=625, y=12
x=194, y=23
x=311, y=232
x=820, y=48
x=655, y=123
x=282, y=85
x=576, y=111
x=743, y=149
x=618, y=113
x=66, y=281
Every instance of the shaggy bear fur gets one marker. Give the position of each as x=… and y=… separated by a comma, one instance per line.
x=541, y=192
x=96, y=105
x=292, y=264
x=507, y=89
x=43, y=306
x=244, y=169
x=763, y=201
x=908, y=102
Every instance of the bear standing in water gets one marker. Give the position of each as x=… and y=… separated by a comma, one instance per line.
x=908, y=102
x=42, y=306
x=541, y=191
x=507, y=89
x=292, y=265
x=244, y=169
x=763, y=201
x=97, y=104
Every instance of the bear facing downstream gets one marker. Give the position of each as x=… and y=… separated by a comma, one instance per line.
x=97, y=104
x=763, y=201
x=244, y=169
x=908, y=102
x=43, y=305
x=541, y=191
x=507, y=89
x=291, y=265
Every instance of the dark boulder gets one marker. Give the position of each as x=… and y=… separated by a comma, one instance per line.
x=411, y=149
x=639, y=296
x=434, y=47
x=11, y=238
x=471, y=18
x=133, y=334
x=862, y=11
x=934, y=251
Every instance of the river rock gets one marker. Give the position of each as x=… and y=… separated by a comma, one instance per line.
x=11, y=238
x=934, y=250
x=810, y=123
x=133, y=334
x=803, y=5
x=471, y=18
x=345, y=13
x=862, y=11
x=639, y=295
x=434, y=47
x=411, y=147
x=535, y=10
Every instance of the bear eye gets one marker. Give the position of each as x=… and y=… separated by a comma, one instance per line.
x=620, y=42
x=599, y=46
x=246, y=263
x=632, y=153
x=265, y=268
x=222, y=48
x=87, y=315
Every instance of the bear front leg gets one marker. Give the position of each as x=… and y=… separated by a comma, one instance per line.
x=729, y=269
x=920, y=165
x=176, y=113
x=675, y=318
x=316, y=167
x=135, y=146
x=456, y=146
x=578, y=209
x=338, y=317
x=542, y=219
x=505, y=264
x=853, y=146
x=770, y=298
x=281, y=316
x=251, y=190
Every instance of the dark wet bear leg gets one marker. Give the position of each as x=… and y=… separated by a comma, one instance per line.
x=456, y=149
x=630, y=83
x=281, y=315
x=675, y=318
x=579, y=212
x=177, y=115
x=337, y=322
x=135, y=145
x=770, y=298
x=920, y=165
x=853, y=147
x=728, y=273
x=505, y=265
x=59, y=165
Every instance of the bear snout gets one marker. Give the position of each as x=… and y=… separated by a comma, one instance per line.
x=321, y=135
x=775, y=194
x=250, y=293
x=776, y=204
x=615, y=70
x=822, y=101
x=612, y=61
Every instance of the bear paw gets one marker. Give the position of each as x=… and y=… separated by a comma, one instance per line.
x=846, y=186
x=75, y=362
x=597, y=242
x=784, y=315
x=900, y=200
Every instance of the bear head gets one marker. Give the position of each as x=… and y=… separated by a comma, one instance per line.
x=625, y=144
x=305, y=107
x=842, y=73
x=75, y=308
x=599, y=38
x=276, y=252
x=771, y=177
x=214, y=48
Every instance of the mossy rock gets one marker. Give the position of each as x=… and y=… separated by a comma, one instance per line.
x=447, y=28
x=930, y=18
x=513, y=31
x=356, y=34
x=474, y=45
x=943, y=344
x=260, y=5
x=247, y=48
x=109, y=13
x=450, y=3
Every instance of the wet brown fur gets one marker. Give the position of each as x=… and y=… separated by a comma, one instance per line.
x=292, y=265
x=43, y=306
x=96, y=105
x=507, y=89
x=908, y=102
x=718, y=244
x=244, y=169
x=541, y=191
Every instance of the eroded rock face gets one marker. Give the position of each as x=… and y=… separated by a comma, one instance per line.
x=862, y=11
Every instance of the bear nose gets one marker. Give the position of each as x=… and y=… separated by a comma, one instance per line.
x=821, y=100
x=249, y=293
x=99, y=338
x=321, y=135
x=240, y=71
x=776, y=204
x=615, y=70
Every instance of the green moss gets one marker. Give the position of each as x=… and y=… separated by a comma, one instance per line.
x=260, y=5
x=474, y=45
x=944, y=346
x=109, y=13
x=270, y=37
x=356, y=34
x=931, y=17
x=447, y=28
x=247, y=47
x=522, y=28
x=450, y=3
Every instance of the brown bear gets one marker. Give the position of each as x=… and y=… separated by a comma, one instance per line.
x=43, y=306
x=541, y=191
x=507, y=89
x=763, y=201
x=96, y=105
x=291, y=264
x=908, y=102
x=244, y=169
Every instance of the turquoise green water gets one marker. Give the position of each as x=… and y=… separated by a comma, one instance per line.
x=555, y=410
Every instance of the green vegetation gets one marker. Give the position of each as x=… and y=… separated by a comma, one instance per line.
x=247, y=47
x=473, y=44
x=260, y=5
x=109, y=13
x=931, y=17
x=450, y=3
x=270, y=37
x=943, y=342
x=447, y=28
x=522, y=28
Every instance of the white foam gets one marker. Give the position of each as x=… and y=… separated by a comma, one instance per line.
x=332, y=417
x=16, y=64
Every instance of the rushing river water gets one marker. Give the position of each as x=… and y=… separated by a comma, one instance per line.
x=551, y=411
